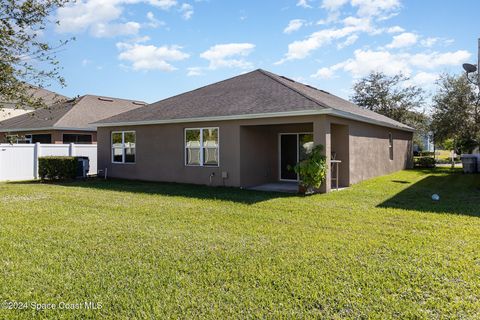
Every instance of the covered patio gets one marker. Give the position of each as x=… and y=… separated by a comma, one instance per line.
x=269, y=151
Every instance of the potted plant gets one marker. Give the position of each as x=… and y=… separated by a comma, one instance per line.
x=312, y=171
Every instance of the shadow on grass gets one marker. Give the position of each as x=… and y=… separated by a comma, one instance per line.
x=459, y=194
x=170, y=189
x=401, y=181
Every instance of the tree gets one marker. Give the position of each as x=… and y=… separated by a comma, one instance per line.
x=24, y=58
x=456, y=113
x=391, y=96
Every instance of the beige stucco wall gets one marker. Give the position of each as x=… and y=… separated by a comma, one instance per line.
x=160, y=155
x=370, y=152
x=368, y=148
x=249, y=150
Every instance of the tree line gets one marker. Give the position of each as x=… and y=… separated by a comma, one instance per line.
x=452, y=116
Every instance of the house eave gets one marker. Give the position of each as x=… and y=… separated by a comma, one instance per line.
x=327, y=111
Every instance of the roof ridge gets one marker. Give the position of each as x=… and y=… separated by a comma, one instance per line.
x=269, y=74
x=114, y=98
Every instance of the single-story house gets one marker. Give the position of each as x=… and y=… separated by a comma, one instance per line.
x=247, y=131
x=65, y=122
x=9, y=109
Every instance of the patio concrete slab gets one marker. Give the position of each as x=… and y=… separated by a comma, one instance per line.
x=287, y=187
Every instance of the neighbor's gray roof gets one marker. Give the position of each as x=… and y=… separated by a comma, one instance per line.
x=48, y=97
x=75, y=114
x=253, y=93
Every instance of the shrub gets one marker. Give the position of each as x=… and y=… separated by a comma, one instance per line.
x=424, y=162
x=57, y=168
x=312, y=170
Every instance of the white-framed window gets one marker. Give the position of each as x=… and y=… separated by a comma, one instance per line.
x=123, y=146
x=202, y=147
x=390, y=145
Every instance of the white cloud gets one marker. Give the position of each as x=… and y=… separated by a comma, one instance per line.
x=99, y=17
x=301, y=49
x=323, y=73
x=350, y=40
x=333, y=4
x=378, y=8
x=141, y=39
x=304, y=3
x=429, y=42
x=395, y=29
x=402, y=40
x=163, y=4
x=362, y=24
x=153, y=22
x=367, y=13
x=150, y=57
x=432, y=41
x=103, y=30
x=80, y=16
x=187, y=11
x=423, y=79
x=228, y=55
x=294, y=25
x=435, y=59
x=365, y=61
x=194, y=71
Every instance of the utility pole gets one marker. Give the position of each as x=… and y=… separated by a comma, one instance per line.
x=470, y=68
x=478, y=64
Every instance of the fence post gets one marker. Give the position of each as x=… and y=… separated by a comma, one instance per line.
x=36, y=155
x=71, y=150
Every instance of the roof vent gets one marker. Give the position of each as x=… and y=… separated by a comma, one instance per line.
x=287, y=79
x=105, y=99
x=138, y=103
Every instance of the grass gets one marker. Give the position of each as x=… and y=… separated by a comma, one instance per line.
x=443, y=154
x=381, y=249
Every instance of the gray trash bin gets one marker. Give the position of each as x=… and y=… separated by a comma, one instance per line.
x=83, y=165
x=469, y=163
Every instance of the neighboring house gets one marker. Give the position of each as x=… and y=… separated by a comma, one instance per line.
x=67, y=122
x=9, y=109
x=247, y=131
x=427, y=143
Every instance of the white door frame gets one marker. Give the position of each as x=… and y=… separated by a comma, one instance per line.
x=280, y=153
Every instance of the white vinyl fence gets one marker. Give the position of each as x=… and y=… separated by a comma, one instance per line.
x=20, y=161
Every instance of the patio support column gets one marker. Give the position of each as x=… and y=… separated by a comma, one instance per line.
x=321, y=135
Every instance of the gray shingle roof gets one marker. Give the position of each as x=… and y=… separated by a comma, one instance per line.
x=48, y=97
x=253, y=93
x=76, y=114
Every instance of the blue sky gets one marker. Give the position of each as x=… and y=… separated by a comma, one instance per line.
x=149, y=50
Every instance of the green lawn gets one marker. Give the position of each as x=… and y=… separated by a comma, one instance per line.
x=381, y=249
